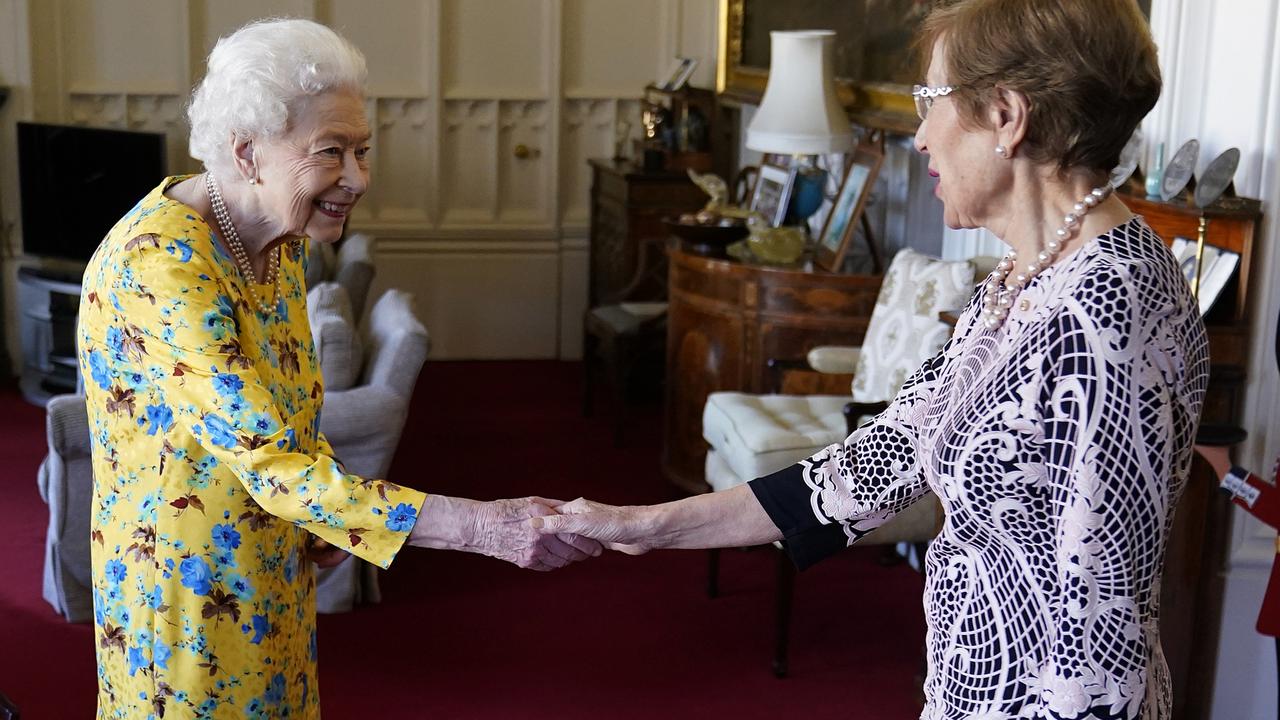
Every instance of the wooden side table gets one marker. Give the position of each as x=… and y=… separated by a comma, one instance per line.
x=627, y=206
x=726, y=320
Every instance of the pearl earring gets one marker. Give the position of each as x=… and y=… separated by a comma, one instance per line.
x=1002, y=151
x=253, y=181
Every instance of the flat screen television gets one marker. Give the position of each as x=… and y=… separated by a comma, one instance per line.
x=76, y=182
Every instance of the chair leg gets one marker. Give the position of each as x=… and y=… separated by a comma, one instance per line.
x=713, y=573
x=622, y=373
x=588, y=359
x=786, y=586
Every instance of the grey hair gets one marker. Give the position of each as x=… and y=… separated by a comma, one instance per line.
x=257, y=75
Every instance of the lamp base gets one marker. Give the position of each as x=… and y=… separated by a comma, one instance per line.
x=807, y=194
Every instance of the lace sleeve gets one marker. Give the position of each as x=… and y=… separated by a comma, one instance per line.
x=1119, y=405
x=827, y=502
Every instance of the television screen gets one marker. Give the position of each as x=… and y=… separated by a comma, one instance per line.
x=76, y=182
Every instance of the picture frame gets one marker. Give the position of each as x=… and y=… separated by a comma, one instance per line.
x=848, y=206
x=772, y=192
x=1217, y=266
x=680, y=73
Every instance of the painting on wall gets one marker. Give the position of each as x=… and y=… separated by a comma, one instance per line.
x=875, y=59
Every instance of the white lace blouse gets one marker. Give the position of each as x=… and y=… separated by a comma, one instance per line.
x=1058, y=446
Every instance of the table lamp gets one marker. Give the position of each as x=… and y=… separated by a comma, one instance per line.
x=800, y=114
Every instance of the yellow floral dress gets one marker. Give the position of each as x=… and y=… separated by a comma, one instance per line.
x=210, y=477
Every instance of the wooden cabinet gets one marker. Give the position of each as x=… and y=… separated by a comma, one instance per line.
x=627, y=205
x=726, y=319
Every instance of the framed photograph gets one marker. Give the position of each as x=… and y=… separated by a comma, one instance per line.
x=680, y=73
x=847, y=207
x=1216, y=268
x=772, y=192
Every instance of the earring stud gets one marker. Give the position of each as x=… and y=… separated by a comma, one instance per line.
x=1002, y=151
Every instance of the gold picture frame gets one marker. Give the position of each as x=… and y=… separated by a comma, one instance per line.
x=847, y=207
x=874, y=102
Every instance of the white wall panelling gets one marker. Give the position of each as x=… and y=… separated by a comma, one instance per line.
x=493, y=245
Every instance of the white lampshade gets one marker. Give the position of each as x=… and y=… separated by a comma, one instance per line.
x=800, y=113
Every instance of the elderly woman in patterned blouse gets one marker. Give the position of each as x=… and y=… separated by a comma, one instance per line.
x=213, y=486
x=1055, y=427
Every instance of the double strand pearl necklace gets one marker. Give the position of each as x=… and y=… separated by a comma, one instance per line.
x=240, y=254
x=999, y=293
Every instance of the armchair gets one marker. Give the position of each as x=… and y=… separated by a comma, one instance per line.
x=350, y=265
x=369, y=380
x=755, y=435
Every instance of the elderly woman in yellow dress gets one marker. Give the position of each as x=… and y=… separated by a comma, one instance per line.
x=1055, y=427
x=213, y=487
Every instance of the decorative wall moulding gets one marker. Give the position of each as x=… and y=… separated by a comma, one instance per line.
x=412, y=110
x=477, y=113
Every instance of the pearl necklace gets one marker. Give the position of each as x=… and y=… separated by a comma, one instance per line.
x=998, y=295
x=240, y=254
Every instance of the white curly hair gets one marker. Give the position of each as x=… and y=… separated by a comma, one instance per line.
x=256, y=77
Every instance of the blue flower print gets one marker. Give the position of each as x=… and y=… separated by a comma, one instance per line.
x=115, y=341
x=215, y=323
x=220, y=432
x=196, y=575
x=181, y=249
x=241, y=586
x=99, y=370
x=116, y=572
x=224, y=559
x=275, y=691
x=137, y=660
x=160, y=418
x=160, y=654
x=260, y=629
x=262, y=424
x=228, y=385
x=401, y=517
x=156, y=597
x=226, y=536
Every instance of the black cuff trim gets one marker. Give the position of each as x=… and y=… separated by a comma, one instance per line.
x=785, y=497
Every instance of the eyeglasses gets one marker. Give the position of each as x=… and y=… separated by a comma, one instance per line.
x=925, y=95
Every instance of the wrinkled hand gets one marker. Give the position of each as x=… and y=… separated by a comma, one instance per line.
x=502, y=529
x=325, y=555
x=617, y=528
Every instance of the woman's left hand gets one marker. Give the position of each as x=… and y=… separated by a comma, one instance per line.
x=325, y=555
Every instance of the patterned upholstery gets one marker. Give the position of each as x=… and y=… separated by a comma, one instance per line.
x=904, y=329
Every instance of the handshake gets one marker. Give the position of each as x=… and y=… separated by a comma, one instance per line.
x=533, y=532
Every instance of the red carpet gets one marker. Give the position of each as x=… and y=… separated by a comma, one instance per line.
x=461, y=636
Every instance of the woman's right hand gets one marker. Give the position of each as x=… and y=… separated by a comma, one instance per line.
x=500, y=529
x=617, y=527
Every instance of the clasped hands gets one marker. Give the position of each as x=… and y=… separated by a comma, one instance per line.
x=533, y=532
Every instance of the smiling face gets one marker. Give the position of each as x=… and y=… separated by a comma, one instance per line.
x=972, y=179
x=312, y=175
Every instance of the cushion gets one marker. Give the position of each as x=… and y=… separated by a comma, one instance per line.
x=904, y=329
x=834, y=359
x=321, y=258
x=759, y=434
x=624, y=318
x=338, y=346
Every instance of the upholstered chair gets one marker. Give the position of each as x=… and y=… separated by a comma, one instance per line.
x=369, y=378
x=65, y=480
x=350, y=265
x=755, y=435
